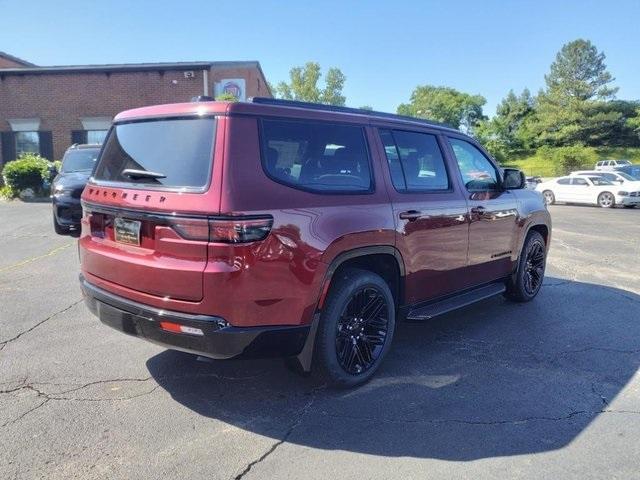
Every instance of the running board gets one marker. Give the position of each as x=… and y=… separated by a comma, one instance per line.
x=455, y=302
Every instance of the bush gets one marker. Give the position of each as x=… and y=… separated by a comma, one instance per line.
x=566, y=159
x=28, y=171
x=57, y=165
x=226, y=97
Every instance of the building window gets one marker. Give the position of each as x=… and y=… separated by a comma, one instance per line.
x=27, y=142
x=96, y=136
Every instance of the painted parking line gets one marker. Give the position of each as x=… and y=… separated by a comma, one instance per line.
x=39, y=257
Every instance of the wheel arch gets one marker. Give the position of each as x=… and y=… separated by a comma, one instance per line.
x=384, y=260
x=373, y=258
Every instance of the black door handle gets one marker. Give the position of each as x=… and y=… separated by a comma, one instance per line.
x=411, y=215
x=479, y=210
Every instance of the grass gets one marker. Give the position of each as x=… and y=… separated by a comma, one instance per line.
x=533, y=165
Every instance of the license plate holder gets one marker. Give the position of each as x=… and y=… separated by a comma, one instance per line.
x=127, y=231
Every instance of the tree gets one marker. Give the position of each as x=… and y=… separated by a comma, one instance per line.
x=304, y=85
x=368, y=108
x=579, y=72
x=507, y=130
x=577, y=107
x=446, y=105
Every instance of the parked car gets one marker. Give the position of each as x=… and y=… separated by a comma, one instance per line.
x=632, y=170
x=532, y=182
x=67, y=186
x=614, y=177
x=281, y=228
x=589, y=189
x=611, y=164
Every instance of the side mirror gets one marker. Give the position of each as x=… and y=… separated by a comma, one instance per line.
x=513, y=179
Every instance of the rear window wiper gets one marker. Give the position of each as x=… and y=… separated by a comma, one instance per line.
x=133, y=173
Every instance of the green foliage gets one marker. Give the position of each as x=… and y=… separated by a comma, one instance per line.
x=226, y=97
x=446, y=105
x=57, y=165
x=542, y=162
x=7, y=193
x=579, y=72
x=571, y=158
x=577, y=106
x=368, y=108
x=28, y=171
x=633, y=123
x=304, y=85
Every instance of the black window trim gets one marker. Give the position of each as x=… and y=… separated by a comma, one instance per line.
x=482, y=151
x=414, y=191
x=362, y=127
x=143, y=186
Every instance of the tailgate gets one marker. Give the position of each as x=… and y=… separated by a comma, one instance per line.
x=142, y=252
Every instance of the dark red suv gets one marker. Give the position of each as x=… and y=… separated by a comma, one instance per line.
x=279, y=228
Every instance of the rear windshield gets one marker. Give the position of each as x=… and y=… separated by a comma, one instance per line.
x=80, y=160
x=175, y=153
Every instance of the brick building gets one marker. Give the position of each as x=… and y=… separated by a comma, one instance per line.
x=46, y=109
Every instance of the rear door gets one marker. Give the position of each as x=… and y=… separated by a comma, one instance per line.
x=430, y=213
x=493, y=213
x=145, y=226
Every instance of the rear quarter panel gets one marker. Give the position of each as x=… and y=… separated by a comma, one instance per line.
x=279, y=282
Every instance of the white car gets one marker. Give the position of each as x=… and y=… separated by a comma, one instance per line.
x=606, y=165
x=621, y=178
x=593, y=190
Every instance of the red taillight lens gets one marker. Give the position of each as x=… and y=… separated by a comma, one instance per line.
x=223, y=230
x=192, y=228
x=240, y=230
x=178, y=328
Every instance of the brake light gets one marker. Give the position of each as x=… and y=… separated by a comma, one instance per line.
x=239, y=230
x=223, y=230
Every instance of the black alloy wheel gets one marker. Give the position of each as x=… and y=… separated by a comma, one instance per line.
x=356, y=328
x=361, y=330
x=525, y=283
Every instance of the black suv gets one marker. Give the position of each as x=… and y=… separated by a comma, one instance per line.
x=67, y=186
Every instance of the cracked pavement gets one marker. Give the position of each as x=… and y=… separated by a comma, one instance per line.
x=548, y=389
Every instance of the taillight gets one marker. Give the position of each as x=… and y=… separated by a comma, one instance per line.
x=240, y=230
x=223, y=230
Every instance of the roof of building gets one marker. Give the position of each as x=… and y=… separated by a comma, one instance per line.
x=127, y=67
x=16, y=60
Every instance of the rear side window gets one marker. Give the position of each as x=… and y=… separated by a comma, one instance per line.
x=564, y=181
x=316, y=156
x=415, y=161
x=180, y=151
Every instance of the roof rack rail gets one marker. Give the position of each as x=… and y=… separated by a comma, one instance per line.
x=335, y=108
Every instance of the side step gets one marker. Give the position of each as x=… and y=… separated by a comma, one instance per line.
x=458, y=301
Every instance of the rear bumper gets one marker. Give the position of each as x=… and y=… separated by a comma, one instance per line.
x=219, y=340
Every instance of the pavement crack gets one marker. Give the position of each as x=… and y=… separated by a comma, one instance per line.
x=33, y=327
x=300, y=417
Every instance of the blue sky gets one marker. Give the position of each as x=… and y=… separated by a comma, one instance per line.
x=385, y=48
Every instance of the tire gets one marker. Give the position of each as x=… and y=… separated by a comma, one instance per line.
x=59, y=229
x=606, y=200
x=629, y=206
x=349, y=349
x=549, y=197
x=525, y=283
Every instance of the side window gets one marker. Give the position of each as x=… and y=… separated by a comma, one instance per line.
x=316, y=156
x=415, y=161
x=478, y=173
x=579, y=181
x=564, y=181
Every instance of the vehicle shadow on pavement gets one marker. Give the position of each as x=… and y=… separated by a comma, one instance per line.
x=495, y=379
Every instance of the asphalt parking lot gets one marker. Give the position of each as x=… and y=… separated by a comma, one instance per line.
x=548, y=389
